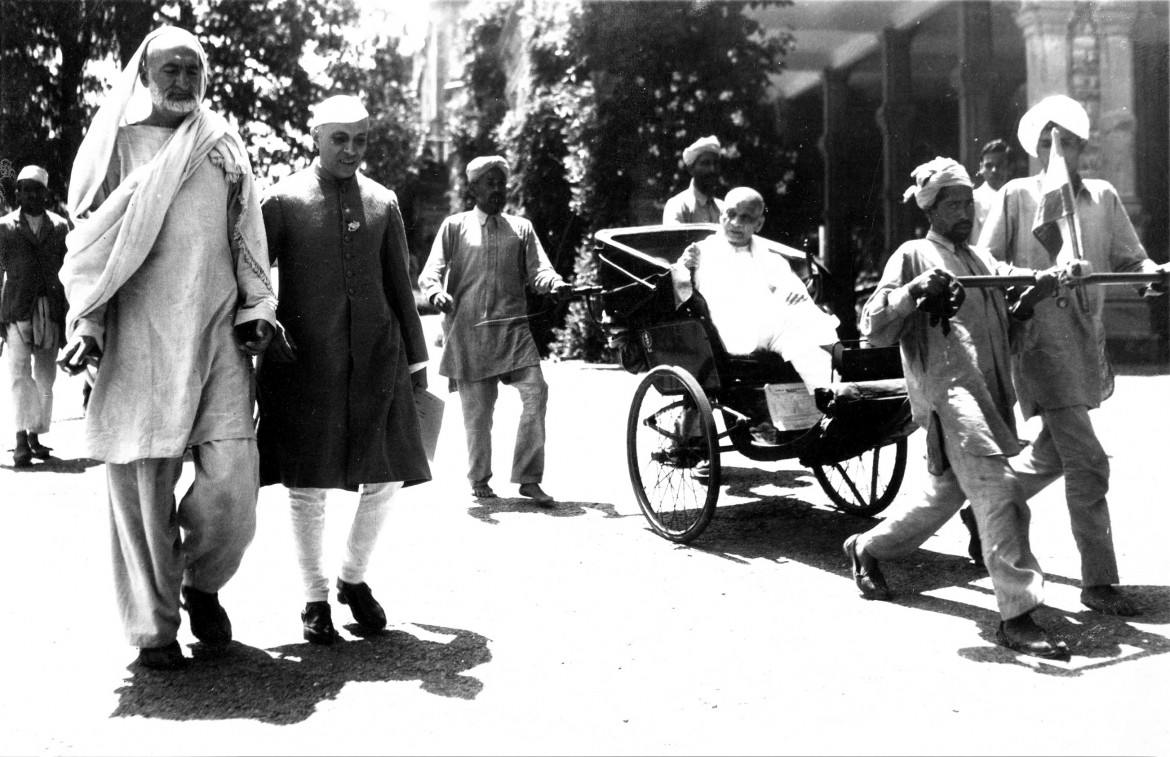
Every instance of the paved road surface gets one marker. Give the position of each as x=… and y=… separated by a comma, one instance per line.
x=516, y=630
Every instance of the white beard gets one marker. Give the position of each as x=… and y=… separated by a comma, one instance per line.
x=175, y=107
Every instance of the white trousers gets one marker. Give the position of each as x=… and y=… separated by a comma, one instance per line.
x=32, y=372
x=158, y=547
x=308, y=521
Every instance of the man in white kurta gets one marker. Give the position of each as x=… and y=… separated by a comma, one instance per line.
x=755, y=299
x=1061, y=369
x=166, y=277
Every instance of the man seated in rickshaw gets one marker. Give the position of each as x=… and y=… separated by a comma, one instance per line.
x=755, y=299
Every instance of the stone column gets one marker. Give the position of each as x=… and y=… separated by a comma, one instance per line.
x=895, y=118
x=1116, y=125
x=975, y=83
x=838, y=251
x=1046, y=49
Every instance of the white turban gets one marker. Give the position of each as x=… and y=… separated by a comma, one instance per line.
x=483, y=164
x=931, y=178
x=706, y=144
x=34, y=173
x=339, y=109
x=1061, y=110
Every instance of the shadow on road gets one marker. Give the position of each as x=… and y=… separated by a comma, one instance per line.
x=286, y=684
x=785, y=528
x=486, y=509
x=56, y=465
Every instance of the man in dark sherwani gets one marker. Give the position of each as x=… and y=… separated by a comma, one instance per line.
x=336, y=389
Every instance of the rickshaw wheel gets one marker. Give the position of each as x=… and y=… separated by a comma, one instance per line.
x=866, y=484
x=670, y=431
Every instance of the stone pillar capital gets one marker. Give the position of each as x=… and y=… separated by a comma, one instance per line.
x=1045, y=19
x=1116, y=20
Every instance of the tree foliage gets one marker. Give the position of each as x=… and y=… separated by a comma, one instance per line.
x=613, y=93
x=270, y=61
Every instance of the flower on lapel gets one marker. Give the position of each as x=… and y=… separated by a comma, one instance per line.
x=354, y=225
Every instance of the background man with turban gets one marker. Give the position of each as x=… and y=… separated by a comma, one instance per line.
x=959, y=381
x=1060, y=366
x=167, y=281
x=476, y=273
x=32, y=309
x=337, y=387
x=697, y=203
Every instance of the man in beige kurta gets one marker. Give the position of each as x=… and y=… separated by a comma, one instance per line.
x=1060, y=366
x=697, y=203
x=958, y=379
x=476, y=273
x=166, y=277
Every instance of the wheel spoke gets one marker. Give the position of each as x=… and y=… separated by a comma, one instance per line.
x=849, y=482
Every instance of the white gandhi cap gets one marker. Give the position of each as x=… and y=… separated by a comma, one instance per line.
x=339, y=109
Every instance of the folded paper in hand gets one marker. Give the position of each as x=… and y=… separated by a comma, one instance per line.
x=430, y=420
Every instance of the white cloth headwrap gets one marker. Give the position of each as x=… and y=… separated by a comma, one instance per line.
x=697, y=148
x=108, y=245
x=930, y=178
x=1061, y=110
x=33, y=173
x=479, y=166
x=339, y=109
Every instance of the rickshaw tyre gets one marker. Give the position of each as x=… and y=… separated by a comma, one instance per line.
x=694, y=525
x=872, y=504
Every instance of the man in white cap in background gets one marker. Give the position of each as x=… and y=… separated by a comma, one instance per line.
x=477, y=271
x=336, y=387
x=167, y=281
x=32, y=309
x=1060, y=367
x=697, y=203
x=959, y=381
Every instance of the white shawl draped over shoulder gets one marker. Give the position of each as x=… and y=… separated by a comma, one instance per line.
x=110, y=242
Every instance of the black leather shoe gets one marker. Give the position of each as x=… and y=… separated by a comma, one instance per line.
x=1025, y=636
x=40, y=451
x=366, y=610
x=209, y=621
x=869, y=578
x=1108, y=601
x=168, y=657
x=22, y=458
x=975, y=546
x=318, y=622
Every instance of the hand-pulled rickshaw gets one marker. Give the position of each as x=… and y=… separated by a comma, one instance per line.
x=696, y=401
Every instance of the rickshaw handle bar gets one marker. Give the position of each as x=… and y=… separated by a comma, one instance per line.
x=987, y=282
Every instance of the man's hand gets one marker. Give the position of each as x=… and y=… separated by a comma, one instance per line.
x=561, y=291
x=690, y=257
x=930, y=283
x=1159, y=287
x=253, y=336
x=938, y=293
x=443, y=301
x=418, y=380
x=79, y=352
x=281, y=349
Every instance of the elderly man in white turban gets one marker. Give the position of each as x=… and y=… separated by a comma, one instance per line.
x=697, y=203
x=32, y=309
x=1061, y=369
x=337, y=386
x=167, y=281
x=959, y=382
x=479, y=265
